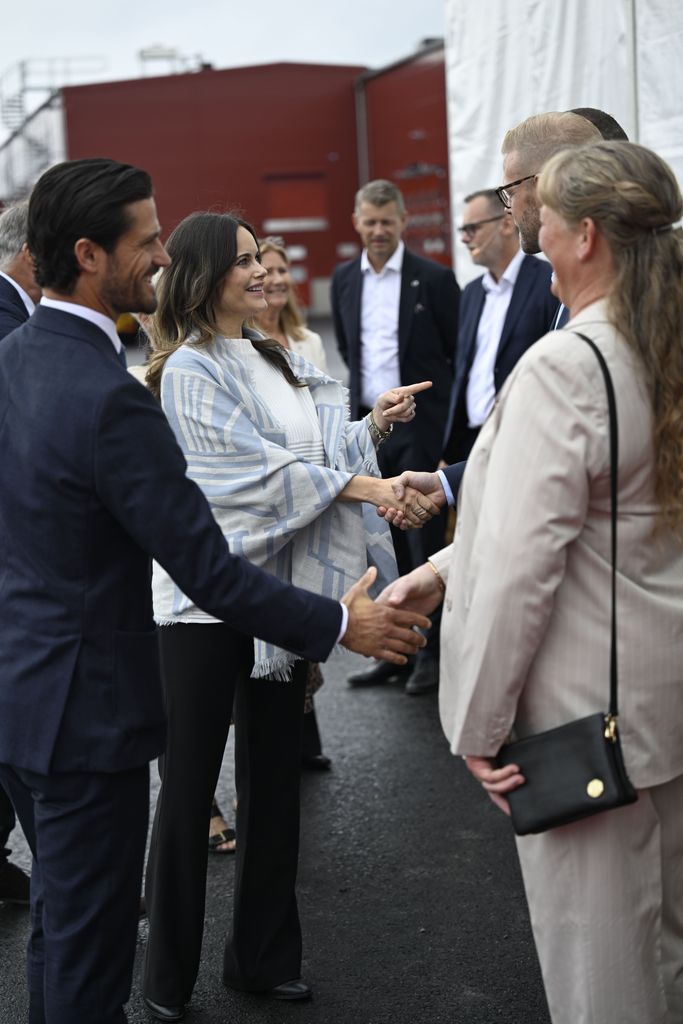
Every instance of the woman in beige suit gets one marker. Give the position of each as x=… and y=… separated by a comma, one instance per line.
x=525, y=629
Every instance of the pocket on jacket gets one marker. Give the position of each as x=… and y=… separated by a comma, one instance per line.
x=137, y=694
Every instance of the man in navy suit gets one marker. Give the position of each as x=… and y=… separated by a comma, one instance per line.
x=92, y=483
x=501, y=315
x=18, y=295
x=396, y=321
x=19, y=291
x=526, y=148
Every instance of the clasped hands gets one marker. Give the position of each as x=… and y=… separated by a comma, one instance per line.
x=408, y=500
x=414, y=499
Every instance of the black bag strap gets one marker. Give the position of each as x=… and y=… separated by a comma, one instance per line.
x=614, y=470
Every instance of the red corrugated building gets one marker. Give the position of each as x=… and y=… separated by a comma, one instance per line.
x=285, y=144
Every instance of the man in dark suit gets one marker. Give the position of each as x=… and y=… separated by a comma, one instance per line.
x=18, y=289
x=92, y=483
x=501, y=315
x=526, y=149
x=18, y=295
x=396, y=320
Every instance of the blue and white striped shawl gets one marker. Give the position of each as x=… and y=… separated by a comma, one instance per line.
x=274, y=509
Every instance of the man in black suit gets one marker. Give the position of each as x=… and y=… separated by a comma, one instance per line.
x=396, y=320
x=501, y=315
x=92, y=483
x=18, y=295
x=18, y=289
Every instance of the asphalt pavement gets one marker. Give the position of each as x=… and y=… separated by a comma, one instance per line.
x=410, y=895
x=411, y=900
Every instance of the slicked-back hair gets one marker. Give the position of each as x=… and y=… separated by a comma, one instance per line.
x=79, y=199
x=13, y=224
x=379, y=193
x=203, y=249
x=607, y=125
x=541, y=136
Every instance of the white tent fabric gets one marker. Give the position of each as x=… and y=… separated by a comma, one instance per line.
x=508, y=59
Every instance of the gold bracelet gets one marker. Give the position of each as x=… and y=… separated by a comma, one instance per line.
x=438, y=575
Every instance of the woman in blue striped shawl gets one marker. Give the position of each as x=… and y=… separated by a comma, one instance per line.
x=292, y=483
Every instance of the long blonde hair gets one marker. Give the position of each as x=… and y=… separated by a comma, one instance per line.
x=291, y=319
x=633, y=198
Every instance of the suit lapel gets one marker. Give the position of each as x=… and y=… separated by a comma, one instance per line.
x=410, y=294
x=468, y=339
x=520, y=294
x=352, y=307
x=12, y=296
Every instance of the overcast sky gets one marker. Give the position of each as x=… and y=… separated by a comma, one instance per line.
x=223, y=32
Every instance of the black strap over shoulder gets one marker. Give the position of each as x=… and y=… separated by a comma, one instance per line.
x=614, y=471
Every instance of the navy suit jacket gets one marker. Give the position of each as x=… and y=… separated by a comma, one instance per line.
x=92, y=482
x=530, y=316
x=13, y=312
x=427, y=338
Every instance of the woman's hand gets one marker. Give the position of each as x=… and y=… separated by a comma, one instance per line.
x=397, y=405
x=421, y=591
x=416, y=508
x=495, y=781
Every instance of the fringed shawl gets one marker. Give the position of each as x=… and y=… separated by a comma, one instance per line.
x=274, y=509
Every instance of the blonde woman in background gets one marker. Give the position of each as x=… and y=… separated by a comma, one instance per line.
x=282, y=320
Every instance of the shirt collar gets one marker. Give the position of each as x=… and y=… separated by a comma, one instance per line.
x=509, y=275
x=25, y=298
x=395, y=261
x=105, y=323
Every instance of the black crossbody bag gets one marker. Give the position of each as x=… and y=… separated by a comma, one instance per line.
x=577, y=769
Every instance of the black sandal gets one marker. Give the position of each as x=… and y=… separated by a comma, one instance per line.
x=226, y=835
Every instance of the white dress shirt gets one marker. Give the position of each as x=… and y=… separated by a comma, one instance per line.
x=481, y=390
x=105, y=323
x=25, y=298
x=380, y=299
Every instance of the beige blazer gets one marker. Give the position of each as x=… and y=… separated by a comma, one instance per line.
x=525, y=628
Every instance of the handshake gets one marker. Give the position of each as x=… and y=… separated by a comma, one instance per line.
x=411, y=499
x=387, y=628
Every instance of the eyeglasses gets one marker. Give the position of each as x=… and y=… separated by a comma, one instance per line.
x=471, y=229
x=504, y=192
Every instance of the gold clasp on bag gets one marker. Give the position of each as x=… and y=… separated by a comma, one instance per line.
x=611, y=728
x=595, y=788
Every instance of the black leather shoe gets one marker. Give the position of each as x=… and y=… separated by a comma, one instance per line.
x=290, y=991
x=381, y=672
x=167, y=1013
x=15, y=885
x=316, y=762
x=424, y=678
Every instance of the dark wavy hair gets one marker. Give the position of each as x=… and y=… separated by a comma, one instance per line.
x=203, y=248
x=79, y=199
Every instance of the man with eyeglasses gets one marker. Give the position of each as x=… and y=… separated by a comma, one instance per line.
x=526, y=149
x=501, y=314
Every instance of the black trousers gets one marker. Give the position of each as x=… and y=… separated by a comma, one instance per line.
x=205, y=668
x=7, y=822
x=87, y=834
